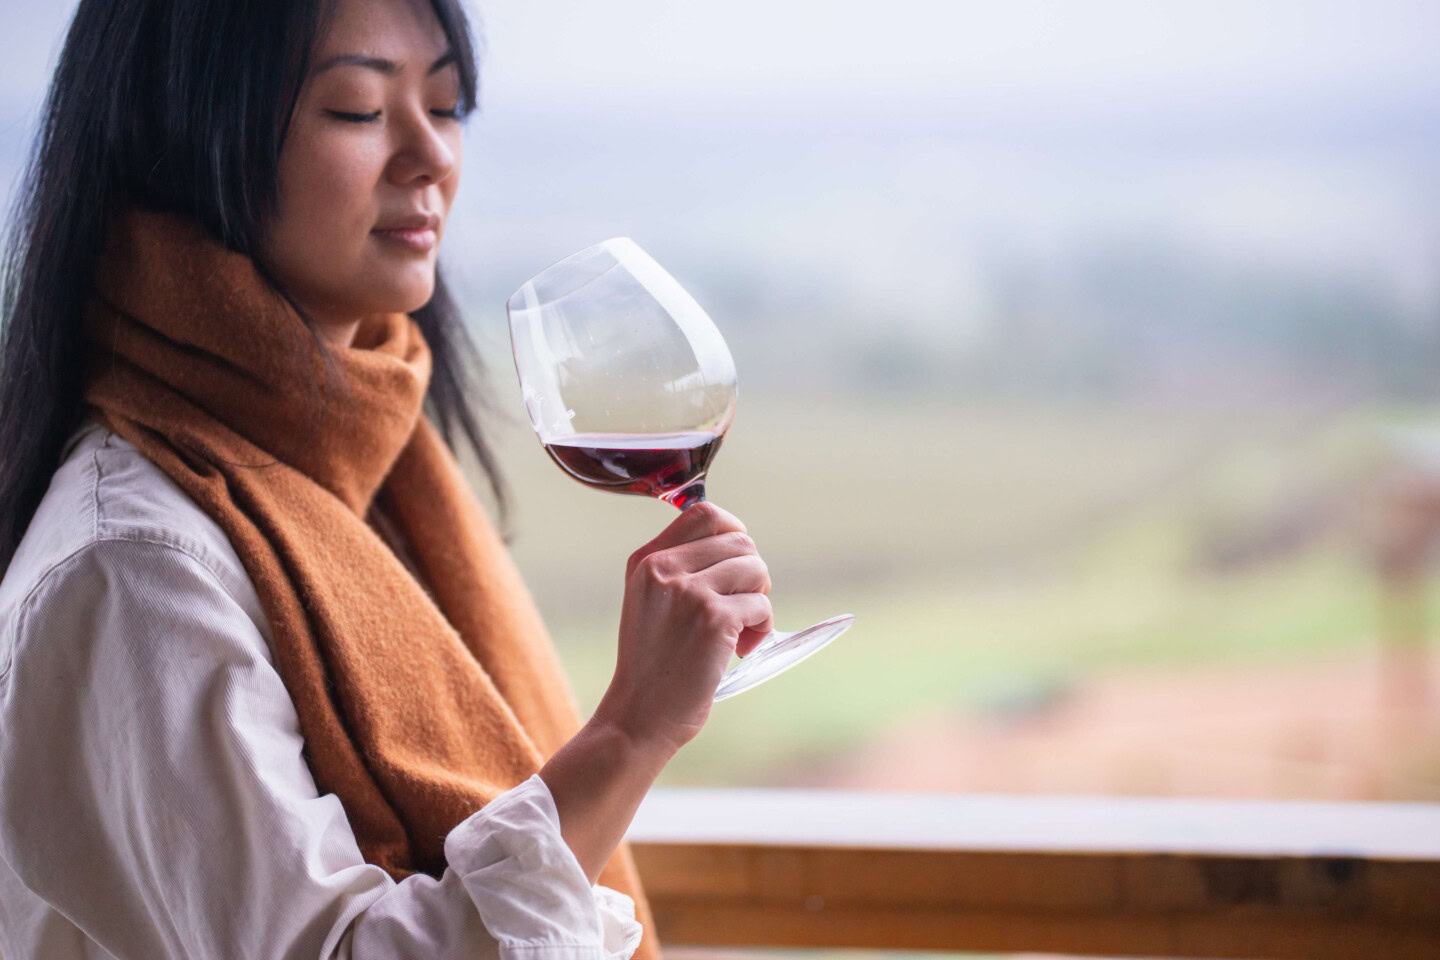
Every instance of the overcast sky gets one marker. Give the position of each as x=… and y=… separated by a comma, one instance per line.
x=565, y=49
x=861, y=143
x=841, y=47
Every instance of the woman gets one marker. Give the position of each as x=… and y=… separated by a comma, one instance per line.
x=269, y=684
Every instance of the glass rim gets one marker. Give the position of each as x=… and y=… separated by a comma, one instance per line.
x=623, y=243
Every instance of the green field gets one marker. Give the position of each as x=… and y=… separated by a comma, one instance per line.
x=992, y=554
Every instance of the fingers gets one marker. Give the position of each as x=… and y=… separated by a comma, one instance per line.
x=699, y=521
x=749, y=640
x=725, y=563
x=754, y=612
x=697, y=555
x=709, y=557
x=744, y=574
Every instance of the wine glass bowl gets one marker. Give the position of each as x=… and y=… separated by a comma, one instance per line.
x=626, y=380
x=631, y=388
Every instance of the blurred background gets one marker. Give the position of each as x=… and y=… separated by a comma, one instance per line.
x=1088, y=354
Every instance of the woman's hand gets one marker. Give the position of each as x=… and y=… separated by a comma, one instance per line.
x=694, y=596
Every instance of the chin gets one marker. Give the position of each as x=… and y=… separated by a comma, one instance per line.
x=403, y=297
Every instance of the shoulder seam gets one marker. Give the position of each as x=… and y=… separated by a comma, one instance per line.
x=22, y=608
x=95, y=495
x=118, y=529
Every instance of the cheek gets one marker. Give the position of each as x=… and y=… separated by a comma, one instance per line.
x=327, y=197
x=328, y=183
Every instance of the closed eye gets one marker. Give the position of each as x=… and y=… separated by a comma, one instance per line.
x=449, y=113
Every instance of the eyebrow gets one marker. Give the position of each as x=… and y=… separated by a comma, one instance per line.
x=388, y=67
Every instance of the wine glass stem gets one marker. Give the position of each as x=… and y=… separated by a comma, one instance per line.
x=688, y=495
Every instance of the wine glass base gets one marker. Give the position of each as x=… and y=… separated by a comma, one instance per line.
x=779, y=652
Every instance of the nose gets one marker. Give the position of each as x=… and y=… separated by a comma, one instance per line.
x=422, y=154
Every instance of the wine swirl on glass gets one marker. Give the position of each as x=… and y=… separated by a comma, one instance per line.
x=631, y=389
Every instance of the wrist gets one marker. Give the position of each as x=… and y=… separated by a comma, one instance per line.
x=597, y=780
x=644, y=746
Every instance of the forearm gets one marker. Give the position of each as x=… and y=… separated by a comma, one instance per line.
x=598, y=779
x=689, y=595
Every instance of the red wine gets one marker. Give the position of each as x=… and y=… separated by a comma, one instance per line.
x=651, y=465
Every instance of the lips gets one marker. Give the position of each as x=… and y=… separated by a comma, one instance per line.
x=417, y=231
x=415, y=221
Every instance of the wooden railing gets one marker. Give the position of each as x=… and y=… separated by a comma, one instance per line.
x=1083, y=876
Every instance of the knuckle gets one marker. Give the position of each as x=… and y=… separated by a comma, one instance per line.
x=705, y=512
x=692, y=594
x=740, y=541
x=714, y=612
x=653, y=568
x=715, y=519
x=754, y=568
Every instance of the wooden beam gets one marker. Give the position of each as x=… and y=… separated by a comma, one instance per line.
x=1058, y=875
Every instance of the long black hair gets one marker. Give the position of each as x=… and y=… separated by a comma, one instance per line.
x=181, y=106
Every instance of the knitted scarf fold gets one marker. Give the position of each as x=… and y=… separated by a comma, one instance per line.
x=424, y=686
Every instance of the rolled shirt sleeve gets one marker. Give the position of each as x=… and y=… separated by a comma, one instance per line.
x=153, y=791
x=538, y=900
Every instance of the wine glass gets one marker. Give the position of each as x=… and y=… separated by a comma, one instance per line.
x=631, y=389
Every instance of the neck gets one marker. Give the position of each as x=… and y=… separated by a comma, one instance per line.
x=338, y=334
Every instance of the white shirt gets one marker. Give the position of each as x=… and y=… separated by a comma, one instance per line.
x=154, y=802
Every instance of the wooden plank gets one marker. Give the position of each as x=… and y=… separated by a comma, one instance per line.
x=1116, y=889
x=1080, y=934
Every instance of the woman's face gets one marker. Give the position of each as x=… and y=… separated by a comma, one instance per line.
x=369, y=167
